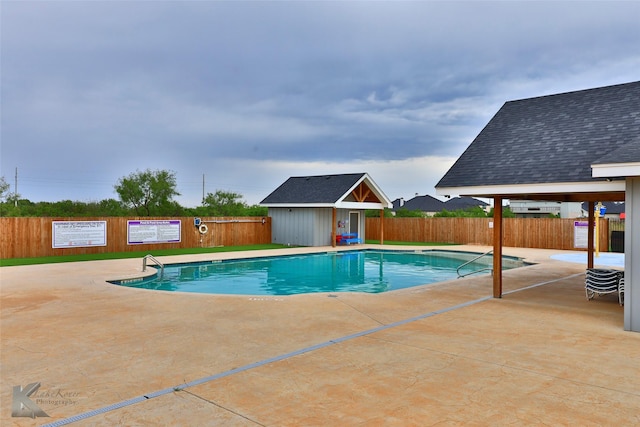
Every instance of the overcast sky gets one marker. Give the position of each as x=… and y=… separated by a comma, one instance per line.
x=251, y=93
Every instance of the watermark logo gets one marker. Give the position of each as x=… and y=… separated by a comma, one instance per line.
x=23, y=406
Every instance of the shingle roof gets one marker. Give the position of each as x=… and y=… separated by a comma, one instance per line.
x=463, y=203
x=423, y=203
x=552, y=139
x=628, y=153
x=313, y=189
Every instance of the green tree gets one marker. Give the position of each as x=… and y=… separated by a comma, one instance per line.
x=5, y=209
x=445, y=214
x=111, y=207
x=4, y=189
x=224, y=203
x=375, y=213
x=470, y=212
x=506, y=213
x=406, y=213
x=8, y=201
x=256, y=210
x=20, y=207
x=149, y=193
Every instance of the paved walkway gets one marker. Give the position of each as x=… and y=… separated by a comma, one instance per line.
x=603, y=259
x=444, y=354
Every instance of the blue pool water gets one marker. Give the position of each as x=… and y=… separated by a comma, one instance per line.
x=349, y=271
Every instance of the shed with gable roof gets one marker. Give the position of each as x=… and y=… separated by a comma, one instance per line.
x=317, y=210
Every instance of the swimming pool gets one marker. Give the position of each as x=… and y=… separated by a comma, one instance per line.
x=371, y=271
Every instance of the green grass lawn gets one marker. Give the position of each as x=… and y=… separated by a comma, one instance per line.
x=137, y=254
x=166, y=252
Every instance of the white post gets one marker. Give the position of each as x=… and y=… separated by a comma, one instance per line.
x=632, y=255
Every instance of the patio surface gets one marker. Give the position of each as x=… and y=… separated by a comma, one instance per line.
x=444, y=354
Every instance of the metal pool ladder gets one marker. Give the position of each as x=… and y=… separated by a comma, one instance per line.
x=475, y=271
x=155, y=260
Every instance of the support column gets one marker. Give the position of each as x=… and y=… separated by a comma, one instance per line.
x=333, y=228
x=382, y=226
x=590, y=234
x=497, y=247
x=632, y=256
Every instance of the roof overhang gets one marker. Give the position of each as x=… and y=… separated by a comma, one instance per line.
x=337, y=205
x=299, y=205
x=606, y=170
x=567, y=191
x=360, y=205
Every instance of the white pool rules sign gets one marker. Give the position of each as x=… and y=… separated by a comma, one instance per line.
x=153, y=231
x=78, y=234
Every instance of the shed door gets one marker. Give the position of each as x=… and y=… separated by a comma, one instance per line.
x=354, y=223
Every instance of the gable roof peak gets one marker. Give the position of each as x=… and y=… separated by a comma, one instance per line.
x=327, y=190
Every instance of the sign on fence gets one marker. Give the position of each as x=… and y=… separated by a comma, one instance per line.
x=153, y=231
x=580, y=234
x=78, y=234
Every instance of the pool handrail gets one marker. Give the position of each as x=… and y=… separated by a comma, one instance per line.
x=154, y=259
x=475, y=271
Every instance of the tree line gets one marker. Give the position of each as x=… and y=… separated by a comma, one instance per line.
x=141, y=193
x=153, y=192
x=470, y=212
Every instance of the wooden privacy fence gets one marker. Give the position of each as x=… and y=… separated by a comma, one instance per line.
x=26, y=237
x=34, y=237
x=543, y=233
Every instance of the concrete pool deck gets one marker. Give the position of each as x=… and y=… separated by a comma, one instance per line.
x=443, y=354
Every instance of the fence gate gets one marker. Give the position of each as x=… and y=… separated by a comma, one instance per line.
x=616, y=235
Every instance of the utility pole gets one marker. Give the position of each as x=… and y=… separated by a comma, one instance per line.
x=15, y=190
x=203, y=189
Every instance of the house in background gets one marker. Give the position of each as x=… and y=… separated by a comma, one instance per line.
x=430, y=206
x=543, y=209
x=462, y=203
x=397, y=203
x=312, y=210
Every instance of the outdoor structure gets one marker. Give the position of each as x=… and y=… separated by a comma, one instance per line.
x=462, y=203
x=543, y=209
x=571, y=147
x=430, y=206
x=314, y=210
